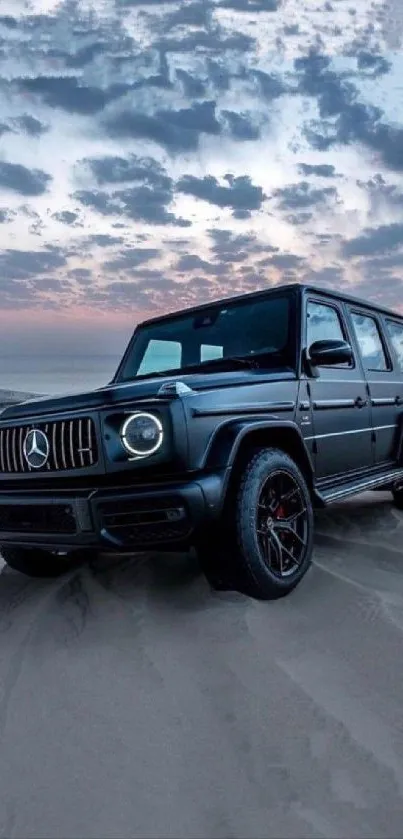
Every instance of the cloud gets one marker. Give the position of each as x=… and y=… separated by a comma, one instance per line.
x=44, y=284
x=23, y=265
x=98, y=201
x=283, y=260
x=234, y=248
x=66, y=93
x=9, y=21
x=153, y=3
x=66, y=217
x=332, y=276
x=219, y=75
x=139, y=203
x=131, y=258
x=30, y=125
x=192, y=262
x=375, y=65
x=4, y=129
x=104, y=240
x=176, y=130
x=147, y=199
x=239, y=193
x=385, y=295
x=80, y=275
x=17, y=178
x=193, y=87
x=387, y=237
x=299, y=219
x=241, y=126
x=119, y=170
x=6, y=216
x=321, y=170
x=215, y=41
x=271, y=86
x=302, y=195
x=250, y=5
x=227, y=239
x=382, y=194
x=198, y=13
x=379, y=265
x=344, y=119
x=144, y=294
x=121, y=121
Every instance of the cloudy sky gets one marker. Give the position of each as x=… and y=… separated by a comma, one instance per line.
x=157, y=154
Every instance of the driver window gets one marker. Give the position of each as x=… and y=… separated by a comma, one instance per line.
x=324, y=324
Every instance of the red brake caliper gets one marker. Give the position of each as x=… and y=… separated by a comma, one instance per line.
x=280, y=514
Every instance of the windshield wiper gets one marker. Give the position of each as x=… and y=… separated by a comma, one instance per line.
x=234, y=361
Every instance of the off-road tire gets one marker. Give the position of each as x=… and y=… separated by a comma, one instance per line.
x=230, y=555
x=35, y=562
x=398, y=498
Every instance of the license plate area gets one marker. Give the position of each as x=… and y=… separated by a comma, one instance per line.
x=38, y=518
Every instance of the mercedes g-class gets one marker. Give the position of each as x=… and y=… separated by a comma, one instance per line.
x=224, y=427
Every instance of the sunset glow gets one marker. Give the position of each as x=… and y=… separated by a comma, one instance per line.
x=156, y=155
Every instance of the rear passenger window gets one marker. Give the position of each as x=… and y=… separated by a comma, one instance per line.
x=370, y=342
x=395, y=331
x=324, y=324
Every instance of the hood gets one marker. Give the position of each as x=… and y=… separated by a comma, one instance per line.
x=139, y=391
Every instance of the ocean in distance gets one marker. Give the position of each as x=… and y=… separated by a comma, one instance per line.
x=53, y=375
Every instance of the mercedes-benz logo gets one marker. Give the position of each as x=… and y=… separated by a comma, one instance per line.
x=36, y=448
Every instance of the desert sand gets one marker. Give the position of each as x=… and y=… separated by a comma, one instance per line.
x=12, y=397
x=134, y=702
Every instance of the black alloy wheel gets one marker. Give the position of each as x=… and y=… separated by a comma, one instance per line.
x=262, y=547
x=274, y=525
x=282, y=525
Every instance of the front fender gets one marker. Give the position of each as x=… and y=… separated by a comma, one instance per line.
x=228, y=437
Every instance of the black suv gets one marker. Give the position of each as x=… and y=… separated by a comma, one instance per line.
x=224, y=426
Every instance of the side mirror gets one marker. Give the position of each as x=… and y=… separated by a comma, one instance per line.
x=326, y=353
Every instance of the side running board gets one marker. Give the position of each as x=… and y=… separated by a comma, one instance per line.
x=385, y=479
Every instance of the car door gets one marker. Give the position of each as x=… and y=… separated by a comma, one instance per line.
x=381, y=380
x=341, y=414
x=393, y=331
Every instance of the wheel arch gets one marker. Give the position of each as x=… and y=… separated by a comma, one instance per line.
x=234, y=442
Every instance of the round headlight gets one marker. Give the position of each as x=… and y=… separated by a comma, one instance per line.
x=142, y=434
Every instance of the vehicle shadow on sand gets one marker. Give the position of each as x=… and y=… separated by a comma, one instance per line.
x=360, y=541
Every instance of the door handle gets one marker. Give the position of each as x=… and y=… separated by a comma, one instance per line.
x=399, y=400
x=360, y=402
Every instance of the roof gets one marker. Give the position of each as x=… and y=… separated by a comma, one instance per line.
x=349, y=298
x=297, y=287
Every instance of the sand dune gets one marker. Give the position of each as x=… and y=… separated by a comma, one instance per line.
x=11, y=397
x=136, y=703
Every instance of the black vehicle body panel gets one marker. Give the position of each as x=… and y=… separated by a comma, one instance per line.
x=340, y=408
x=342, y=425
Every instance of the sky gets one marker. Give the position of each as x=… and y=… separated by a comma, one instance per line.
x=154, y=155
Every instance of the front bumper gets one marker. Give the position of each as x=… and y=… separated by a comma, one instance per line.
x=149, y=516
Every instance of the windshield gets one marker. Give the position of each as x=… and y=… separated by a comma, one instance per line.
x=261, y=328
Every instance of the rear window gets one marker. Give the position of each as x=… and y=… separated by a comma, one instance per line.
x=395, y=331
x=370, y=342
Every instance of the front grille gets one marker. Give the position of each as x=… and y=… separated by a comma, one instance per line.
x=37, y=518
x=72, y=445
